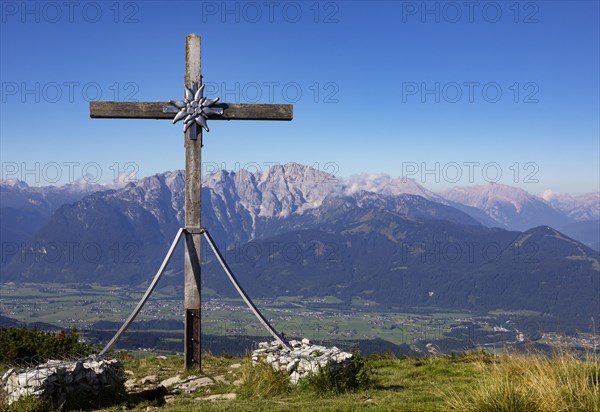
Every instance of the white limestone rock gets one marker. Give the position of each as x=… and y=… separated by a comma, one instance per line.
x=302, y=360
x=55, y=378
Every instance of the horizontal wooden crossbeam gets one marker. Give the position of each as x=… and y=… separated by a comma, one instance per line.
x=154, y=110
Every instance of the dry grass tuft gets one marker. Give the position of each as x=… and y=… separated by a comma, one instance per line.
x=261, y=381
x=533, y=383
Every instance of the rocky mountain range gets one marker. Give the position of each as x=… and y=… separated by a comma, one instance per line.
x=580, y=208
x=293, y=189
x=293, y=229
x=515, y=209
x=510, y=207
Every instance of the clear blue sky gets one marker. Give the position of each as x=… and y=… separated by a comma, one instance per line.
x=386, y=87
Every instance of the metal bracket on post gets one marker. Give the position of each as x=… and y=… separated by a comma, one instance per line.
x=194, y=230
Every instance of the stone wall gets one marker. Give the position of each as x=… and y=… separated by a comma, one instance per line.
x=303, y=360
x=55, y=379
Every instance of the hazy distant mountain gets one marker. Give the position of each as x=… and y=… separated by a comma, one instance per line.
x=43, y=200
x=104, y=236
x=511, y=207
x=25, y=209
x=580, y=208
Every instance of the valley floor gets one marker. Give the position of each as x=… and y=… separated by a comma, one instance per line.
x=97, y=311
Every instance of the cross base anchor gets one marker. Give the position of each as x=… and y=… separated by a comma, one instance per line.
x=192, y=334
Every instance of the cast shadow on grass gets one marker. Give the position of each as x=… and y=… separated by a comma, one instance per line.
x=84, y=402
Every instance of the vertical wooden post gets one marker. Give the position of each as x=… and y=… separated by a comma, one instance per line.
x=193, y=144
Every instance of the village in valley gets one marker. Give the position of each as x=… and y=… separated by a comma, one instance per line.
x=102, y=309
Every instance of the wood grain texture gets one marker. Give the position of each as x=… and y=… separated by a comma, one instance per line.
x=193, y=158
x=154, y=110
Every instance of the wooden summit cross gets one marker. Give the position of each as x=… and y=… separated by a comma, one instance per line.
x=195, y=109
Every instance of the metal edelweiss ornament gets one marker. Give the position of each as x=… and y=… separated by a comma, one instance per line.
x=195, y=108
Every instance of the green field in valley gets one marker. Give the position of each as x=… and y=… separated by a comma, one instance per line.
x=95, y=307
